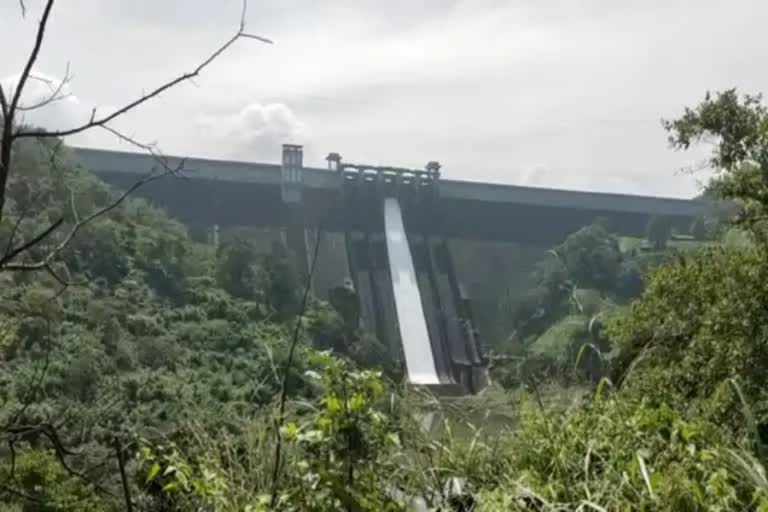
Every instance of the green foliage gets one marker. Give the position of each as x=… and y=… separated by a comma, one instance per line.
x=591, y=257
x=337, y=456
x=237, y=268
x=171, y=482
x=579, y=282
x=39, y=483
x=143, y=340
x=328, y=329
x=161, y=339
x=622, y=455
x=699, y=324
x=739, y=123
x=700, y=230
x=739, y=126
x=343, y=445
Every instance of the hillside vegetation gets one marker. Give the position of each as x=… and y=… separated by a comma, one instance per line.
x=633, y=378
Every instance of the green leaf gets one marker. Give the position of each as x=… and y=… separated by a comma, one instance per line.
x=153, y=471
x=290, y=430
x=333, y=404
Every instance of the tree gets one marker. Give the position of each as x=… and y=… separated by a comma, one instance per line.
x=237, y=268
x=699, y=229
x=592, y=257
x=35, y=234
x=738, y=127
x=59, y=232
x=696, y=339
x=658, y=231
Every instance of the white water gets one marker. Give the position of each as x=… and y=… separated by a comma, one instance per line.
x=413, y=326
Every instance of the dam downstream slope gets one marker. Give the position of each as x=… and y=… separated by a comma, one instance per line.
x=417, y=349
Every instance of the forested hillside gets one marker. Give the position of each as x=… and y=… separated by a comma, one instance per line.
x=144, y=371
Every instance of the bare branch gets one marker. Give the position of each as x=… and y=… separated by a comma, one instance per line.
x=256, y=37
x=20, y=494
x=123, y=476
x=23, y=7
x=152, y=149
x=32, y=57
x=3, y=102
x=55, y=93
x=56, y=276
x=50, y=432
x=280, y=421
x=14, y=230
x=31, y=243
x=45, y=262
x=101, y=121
x=8, y=137
x=23, y=214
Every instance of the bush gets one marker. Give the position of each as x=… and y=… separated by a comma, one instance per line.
x=700, y=324
x=45, y=486
x=158, y=352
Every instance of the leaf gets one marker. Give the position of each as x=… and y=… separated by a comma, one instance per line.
x=357, y=402
x=290, y=430
x=332, y=404
x=644, y=472
x=688, y=431
x=153, y=471
x=592, y=505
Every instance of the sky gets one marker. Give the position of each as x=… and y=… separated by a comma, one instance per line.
x=553, y=93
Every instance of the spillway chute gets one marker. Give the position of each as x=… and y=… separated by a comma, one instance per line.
x=412, y=324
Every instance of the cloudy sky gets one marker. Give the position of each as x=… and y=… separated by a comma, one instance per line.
x=556, y=93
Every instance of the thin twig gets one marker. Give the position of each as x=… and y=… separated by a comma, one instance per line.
x=32, y=58
x=15, y=229
x=8, y=137
x=286, y=372
x=20, y=494
x=101, y=121
x=31, y=243
x=3, y=102
x=55, y=95
x=49, y=432
x=5, y=264
x=123, y=477
x=153, y=151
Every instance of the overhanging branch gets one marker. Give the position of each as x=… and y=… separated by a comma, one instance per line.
x=32, y=57
x=102, y=121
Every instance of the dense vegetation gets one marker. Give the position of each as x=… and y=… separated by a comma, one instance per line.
x=172, y=355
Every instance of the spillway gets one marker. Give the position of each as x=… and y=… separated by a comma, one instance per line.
x=417, y=349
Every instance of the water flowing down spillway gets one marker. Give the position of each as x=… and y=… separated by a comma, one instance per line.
x=419, y=360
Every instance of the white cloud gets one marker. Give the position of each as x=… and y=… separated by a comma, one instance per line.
x=256, y=131
x=491, y=88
